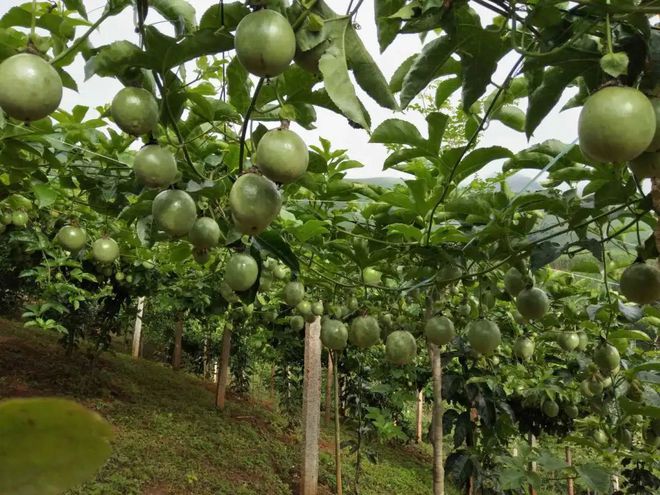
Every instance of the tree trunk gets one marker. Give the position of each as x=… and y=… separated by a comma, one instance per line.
x=137, y=330
x=223, y=370
x=420, y=416
x=311, y=411
x=178, y=337
x=532, y=465
x=436, y=432
x=340, y=487
x=205, y=357
x=328, y=389
x=569, y=485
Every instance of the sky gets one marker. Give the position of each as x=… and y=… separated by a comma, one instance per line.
x=98, y=91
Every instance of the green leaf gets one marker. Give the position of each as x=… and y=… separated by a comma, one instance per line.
x=387, y=27
x=409, y=232
x=113, y=60
x=396, y=82
x=45, y=194
x=179, y=12
x=614, y=64
x=271, y=242
x=544, y=253
x=310, y=229
x=511, y=116
x=445, y=89
x=76, y=5
x=432, y=57
x=233, y=13
x=180, y=252
x=397, y=131
x=549, y=462
x=629, y=334
x=73, y=443
x=237, y=86
x=202, y=42
x=477, y=159
x=335, y=75
x=630, y=407
x=595, y=477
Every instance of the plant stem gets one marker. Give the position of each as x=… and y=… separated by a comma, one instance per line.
x=301, y=18
x=80, y=40
x=246, y=120
x=608, y=29
x=33, y=26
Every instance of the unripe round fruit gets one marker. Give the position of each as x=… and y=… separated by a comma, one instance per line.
x=205, y=233
x=282, y=156
x=400, y=347
x=71, y=238
x=585, y=388
x=297, y=323
x=19, y=218
x=550, y=408
x=571, y=411
x=294, y=293
x=607, y=358
x=317, y=308
x=640, y=283
x=624, y=437
x=600, y=437
x=304, y=308
x=105, y=250
x=616, y=124
x=568, y=341
x=439, y=330
x=484, y=336
x=135, y=111
x=201, y=256
x=30, y=88
x=334, y=334
x=514, y=281
x=595, y=386
x=364, y=332
x=265, y=43
x=532, y=303
x=119, y=276
x=371, y=276
x=5, y=218
x=241, y=272
x=524, y=348
x=155, y=166
x=354, y=304
x=255, y=202
x=646, y=165
x=174, y=211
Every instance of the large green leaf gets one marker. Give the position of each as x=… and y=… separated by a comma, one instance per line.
x=397, y=131
x=387, y=27
x=595, y=477
x=113, y=60
x=237, y=86
x=232, y=14
x=271, y=242
x=445, y=89
x=49, y=445
x=202, y=42
x=477, y=159
x=179, y=12
x=76, y=5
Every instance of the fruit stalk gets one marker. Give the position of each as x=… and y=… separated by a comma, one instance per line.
x=246, y=120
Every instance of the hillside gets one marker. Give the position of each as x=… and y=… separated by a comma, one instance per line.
x=170, y=439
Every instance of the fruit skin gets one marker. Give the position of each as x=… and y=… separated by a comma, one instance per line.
x=607, y=358
x=595, y=386
x=365, y=332
x=19, y=218
x=655, y=143
x=317, y=308
x=265, y=43
x=135, y=111
x=255, y=202
x=205, y=233
x=532, y=303
x=371, y=276
x=174, y=211
x=105, y=250
x=155, y=166
x=568, y=341
x=550, y=408
x=439, y=330
x=400, y=347
x=334, y=334
x=294, y=293
x=282, y=156
x=30, y=88
x=484, y=336
x=571, y=411
x=514, y=281
x=201, y=256
x=304, y=308
x=585, y=388
x=640, y=283
x=646, y=165
x=71, y=238
x=616, y=124
x=524, y=348
x=241, y=272
x=5, y=218
x=297, y=323
x=600, y=437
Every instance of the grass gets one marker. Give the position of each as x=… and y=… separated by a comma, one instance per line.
x=170, y=439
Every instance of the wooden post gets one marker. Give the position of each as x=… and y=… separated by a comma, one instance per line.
x=569, y=485
x=420, y=416
x=311, y=410
x=328, y=389
x=532, y=465
x=436, y=432
x=340, y=487
x=178, y=338
x=137, y=330
x=223, y=370
x=205, y=357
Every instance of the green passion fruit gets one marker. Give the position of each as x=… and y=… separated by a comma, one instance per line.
x=640, y=283
x=400, y=347
x=571, y=410
x=201, y=256
x=135, y=111
x=296, y=323
x=174, y=211
x=439, y=330
x=205, y=233
x=532, y=303
x=568, y=341
x=334, y=334
x=550, y=408
x=155, y=166
x=514, y=281
x=255, y=202
x=600, y=437
x=265, y=43
x=71, y=238
x=105, y=250
x=616, y=124
x=241, y=272
x=304, y=308
x=523, y=348
x=293, y=293
x=30, y=88
x=317, y=308
x=371, y=276
x=484, y=336
x=646, y=165
x=364, y=332
x=19, y=218
x=607, y=358
x=282, y=156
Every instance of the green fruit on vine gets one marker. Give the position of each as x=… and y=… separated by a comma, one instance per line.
x=484, y=336
x=595, y=386
x=600, y=437
x=105, y=250
x=585, y=389
x=5, y=218
x=371, y=276
x=439, y=330
x=550, y=408
x=640, y=283
x=241, y=272
x=148, y=265
x=107, y=271
x=135, y=111
x=297, y=323
x=265, y=43
x=255, y=202
x=30, y=88
x=464, y=310
x=354, y=304
x=607, y=358
x=334, y=334
x=646, y=165
x=616, y=124
x=571, y=411
x=270, y=316
x=280, y=272
x=386, y=320
x=514, y=281
x=304, y=308
x=317, y=308
x=71, y=238
x=523, y=348
x=119, y=276
x=282, y=156
x=174, y=211
x=532, y=303
x=205, y=233
x=19, y=218
x=568, y=341
x=201, y=256
x=584, y=341
x=400, y=347
x=624, y=437
x=655, y=143
x=335, y=311
x=155, y=166
x=487, y=299
x=364, y=332
x=293, y=293
x=129, y=279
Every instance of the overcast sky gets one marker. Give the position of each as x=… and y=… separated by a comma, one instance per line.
x=99, y=91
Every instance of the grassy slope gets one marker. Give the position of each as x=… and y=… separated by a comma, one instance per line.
x=170, y=440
